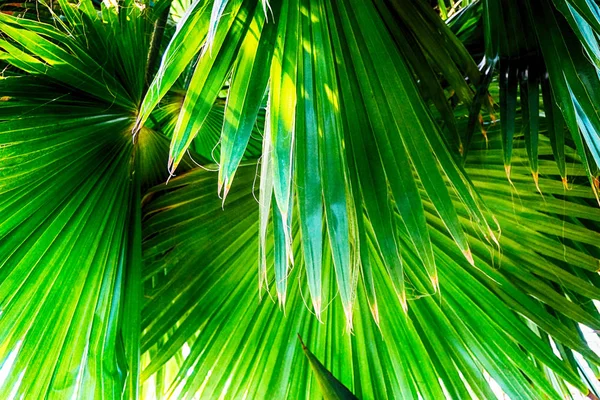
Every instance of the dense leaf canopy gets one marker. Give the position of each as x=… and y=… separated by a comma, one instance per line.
x=299, y=199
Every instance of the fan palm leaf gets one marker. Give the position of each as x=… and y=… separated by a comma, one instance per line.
x=428, y=274
x=523, y=309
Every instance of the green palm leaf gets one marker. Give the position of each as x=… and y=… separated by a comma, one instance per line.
x=71, y=183
x=430, y=275
x=515, y=302
x=66, y=241
x=552, y=44
x=331, y=38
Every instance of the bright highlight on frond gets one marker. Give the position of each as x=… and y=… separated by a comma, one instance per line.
x=156, y=158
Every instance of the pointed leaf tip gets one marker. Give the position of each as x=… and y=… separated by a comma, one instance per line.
x=536, y=180
x=301, y=342
x=331, y=388
x=404, y=304
x=348, y=314
x=507, y=171
x=493, y=119
x=281, y=301
x=493, y=236
x=469, y=257
x=317, y=307
x=435, y=282
x=220, y=185
x=225, y=191
x=375, y=314
x=136, y=128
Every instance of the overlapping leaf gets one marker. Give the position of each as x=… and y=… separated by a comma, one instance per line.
x=552, y=45
x=504, y=316
x=70, y=184
x=66, y=240
x=310, y=50
x=363, y=208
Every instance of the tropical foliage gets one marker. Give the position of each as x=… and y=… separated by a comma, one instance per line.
x=187, y=187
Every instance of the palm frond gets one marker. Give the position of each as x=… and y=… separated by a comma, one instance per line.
x=430, y=276
x=308, y=80
x=552, y=45
x=67, y=194
x=504, y=316
x=70, y=272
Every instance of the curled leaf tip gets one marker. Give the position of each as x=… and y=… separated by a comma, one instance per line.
x=169, y=178
x=223, y=194
x=220, y=184
x=170, y=165
x=136, y=127
x=226, y=189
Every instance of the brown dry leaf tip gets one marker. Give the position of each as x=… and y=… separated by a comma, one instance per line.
x=5, y=98
x=301, y=341
x=565, y=183
x=591, y=395
x=483, y=130
x=597, y=183
x=484, y=133
x=461, y=149
x=493, y=119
